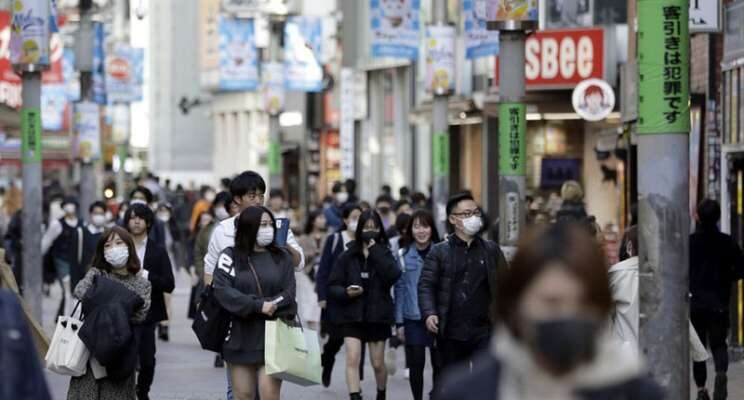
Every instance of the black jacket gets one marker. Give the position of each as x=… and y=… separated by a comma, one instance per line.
x=572, y=211
x=334, y=247
x=483, y=383
x=437, y=278
x=108, y=307
x=716, y=261
x=158, y=265
x=21, y=376
x=375, y=304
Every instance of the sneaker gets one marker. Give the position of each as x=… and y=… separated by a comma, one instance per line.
x=703, y=394
x=391, y=362
x=407, y=373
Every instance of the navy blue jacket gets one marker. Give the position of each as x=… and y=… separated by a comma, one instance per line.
x=21, y=376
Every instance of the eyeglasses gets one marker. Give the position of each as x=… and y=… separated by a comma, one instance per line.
x=468, y=214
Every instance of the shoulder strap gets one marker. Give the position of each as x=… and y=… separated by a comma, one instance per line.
x=80, y=244
x=255, y=276
x=401, y=259
x=336, y=238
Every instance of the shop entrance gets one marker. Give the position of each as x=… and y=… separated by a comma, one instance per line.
x=735, y=183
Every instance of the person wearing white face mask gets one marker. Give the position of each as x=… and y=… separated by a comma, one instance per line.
x=115, y=258
x=91, y=235
x=457, y=309
x=254, y=281
x=64, y=240
x=333, y=212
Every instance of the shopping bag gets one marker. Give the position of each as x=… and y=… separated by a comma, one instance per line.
x=292, y=353
x=67, y=353
x=99, y=371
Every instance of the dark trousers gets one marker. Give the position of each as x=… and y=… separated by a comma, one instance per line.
x=712, y=327
x=454, y=352
x=416, y=357
x=146, y=349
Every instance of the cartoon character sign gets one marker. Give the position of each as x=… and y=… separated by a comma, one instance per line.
x=397, y=13
x=593, y=99
x=395, y=28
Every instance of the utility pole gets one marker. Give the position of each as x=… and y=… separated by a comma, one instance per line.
x=29, y=66
x=85, y=50
x=275, y=134
x=440, y=139
x=663, y=162
x=512, y=120
x=122, y=111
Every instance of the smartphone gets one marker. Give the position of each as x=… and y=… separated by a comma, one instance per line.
x=355, y=287
x=282, y=231
x=277, y=300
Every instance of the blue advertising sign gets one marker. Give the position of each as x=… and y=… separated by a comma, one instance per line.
x=303, y=47
x=54, y=104
x=137, y=64
x=99, y=65
x=70, y=76
x=396, y=28
x=479, y=41
x=238, y=55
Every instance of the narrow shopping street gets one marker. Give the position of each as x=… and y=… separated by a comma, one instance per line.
x=185, y=372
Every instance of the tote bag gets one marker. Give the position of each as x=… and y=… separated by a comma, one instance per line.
x=67, y=353
x=292, y=353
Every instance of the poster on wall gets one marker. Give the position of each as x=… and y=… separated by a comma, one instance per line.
x=272, y=76
x=238, y=55
x=395, y=28
x=303, y=47
x=440, y=59
x=479, y=41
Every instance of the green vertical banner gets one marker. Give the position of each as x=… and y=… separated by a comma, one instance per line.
x=663, y=66
x=31, y=135
x=274, y=158
x=441, y=153
x=512, y=146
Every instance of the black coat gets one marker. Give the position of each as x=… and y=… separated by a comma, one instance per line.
x=375, y=304
x=158, y=265
x=21, y=376
x=716, y=261
x=334, y=247
x=108, y=307
x=436, y=283
x=483, y=383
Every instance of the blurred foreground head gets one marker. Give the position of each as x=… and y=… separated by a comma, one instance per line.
x=555, y=296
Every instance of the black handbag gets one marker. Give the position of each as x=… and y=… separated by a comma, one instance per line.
x=211, y=322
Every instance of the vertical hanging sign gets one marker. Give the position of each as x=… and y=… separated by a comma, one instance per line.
x=441, y=153
x=346, y=126
x=274, y=158
x=31, y=135
x=663, y=67
x=440, y=59
x=30, y=28
x=512, y=149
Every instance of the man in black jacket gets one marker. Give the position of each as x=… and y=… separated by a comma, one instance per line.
x=716, y=261
x=156, y=268
x=457, y=284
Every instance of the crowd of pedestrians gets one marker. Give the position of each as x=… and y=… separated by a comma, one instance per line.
x=556, y=320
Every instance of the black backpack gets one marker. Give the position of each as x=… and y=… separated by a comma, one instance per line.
x=211, y=322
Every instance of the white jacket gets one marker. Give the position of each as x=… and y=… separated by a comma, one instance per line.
x=223, y=237
x=624, y=286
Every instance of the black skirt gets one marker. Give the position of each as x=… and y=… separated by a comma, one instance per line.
x=367, y=331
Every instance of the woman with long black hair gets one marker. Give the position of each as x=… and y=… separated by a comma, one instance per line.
x=254, y=281
x=420, y=234
x=360, y=281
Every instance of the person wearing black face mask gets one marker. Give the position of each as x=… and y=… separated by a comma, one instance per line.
x=361, y=280
x=550, y=307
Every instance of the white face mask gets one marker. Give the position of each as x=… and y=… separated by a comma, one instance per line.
x=165, y=217
x=342, y=197
x=265, y=236
x=221, y=214
x=138, y=201
x=352, y=226
x=117, y=256
x=471, y=226
x=69, y=209
x=98, y=220
x=209, y=196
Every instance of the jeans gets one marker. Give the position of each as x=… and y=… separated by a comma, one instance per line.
x=416, y=362
x=712, y=327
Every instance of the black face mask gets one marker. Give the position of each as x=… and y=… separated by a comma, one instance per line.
x=368, y=236
x=565, y=343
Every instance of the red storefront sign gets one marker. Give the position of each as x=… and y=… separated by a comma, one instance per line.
x=10, y=83
x=559, y=59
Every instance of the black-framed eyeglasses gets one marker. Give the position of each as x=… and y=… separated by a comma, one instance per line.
x=468, y=214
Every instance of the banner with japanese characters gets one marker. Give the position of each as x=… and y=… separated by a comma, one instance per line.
x=479, y=41
x=395, y=28
x=512, y=128
x=238, y=55
x=303, y=47
x=440, y=59
x=663, y=67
